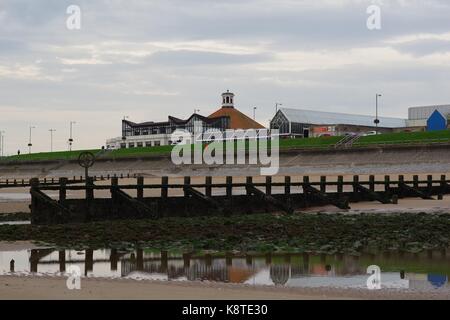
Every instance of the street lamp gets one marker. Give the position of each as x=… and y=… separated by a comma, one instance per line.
x=70, y=137
x=51, y=139
x=29, y=141
x=2, y=142
x=254, y=113
x=376, y=121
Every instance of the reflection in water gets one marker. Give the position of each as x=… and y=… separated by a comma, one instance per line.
x=399, y=270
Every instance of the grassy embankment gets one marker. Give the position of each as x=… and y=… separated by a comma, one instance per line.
x=323, y=142
x=321, y=233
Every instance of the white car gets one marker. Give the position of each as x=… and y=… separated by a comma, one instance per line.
x=371, y=133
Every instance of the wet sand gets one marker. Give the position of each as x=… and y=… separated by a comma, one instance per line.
x=13, y=287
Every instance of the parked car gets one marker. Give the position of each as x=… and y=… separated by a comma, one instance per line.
x=371, y=133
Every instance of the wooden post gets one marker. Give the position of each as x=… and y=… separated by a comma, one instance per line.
x=387, y=184
x=34, y=183
x=248, y=181
x=443, y=185
x=140, y=188
x=416, y=181
x=287, y=185
x=115, y=205
x=340, y=185
x=401, y=181
x=430, y=184
x=62, y=190
x=355, y=183
x=187, y=183
x=323, y=184
x=305, y=194
x=208, y=187
x=372, y=183
x=229, y=183
x=268, y=185
x=164, y=187
x=89, y=197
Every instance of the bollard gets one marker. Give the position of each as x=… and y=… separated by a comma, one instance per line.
x=11, y=265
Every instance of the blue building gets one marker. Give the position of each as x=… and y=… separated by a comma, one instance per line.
x=436, y=121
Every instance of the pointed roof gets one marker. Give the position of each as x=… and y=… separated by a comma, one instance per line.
x=238, y=120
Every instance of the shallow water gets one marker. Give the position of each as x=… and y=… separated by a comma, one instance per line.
x=425, y=272
x=15, y=222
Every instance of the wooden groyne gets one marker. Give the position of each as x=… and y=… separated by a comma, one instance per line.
x=209, y=198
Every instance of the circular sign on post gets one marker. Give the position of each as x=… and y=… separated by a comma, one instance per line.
x=86, y=159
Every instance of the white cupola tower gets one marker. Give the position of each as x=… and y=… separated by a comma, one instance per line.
x=228, y=99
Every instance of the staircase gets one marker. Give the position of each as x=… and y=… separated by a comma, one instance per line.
x=347, y=141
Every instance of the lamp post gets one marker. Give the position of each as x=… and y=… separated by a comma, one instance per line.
x=71, y=137
x=51, y=139
x=376, y=121
x=254, y=113
x=2, y=142
x=29, y=141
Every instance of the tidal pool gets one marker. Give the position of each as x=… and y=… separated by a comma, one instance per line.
x=427, y=271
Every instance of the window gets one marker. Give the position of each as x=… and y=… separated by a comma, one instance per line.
x=137, y=132
x=148, y=143
x=131, y=145
x=123, y=145
x=139, y=144
x=157, y=143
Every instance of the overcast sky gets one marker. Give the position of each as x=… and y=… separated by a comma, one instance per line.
x=151, y=59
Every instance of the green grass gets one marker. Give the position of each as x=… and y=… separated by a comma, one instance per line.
x=322, y=142
x=406, y=137
x=58, y=155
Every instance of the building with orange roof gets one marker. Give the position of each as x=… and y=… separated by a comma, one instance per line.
x=237, y=120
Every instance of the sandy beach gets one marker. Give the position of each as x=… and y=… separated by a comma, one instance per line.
x=13, y=287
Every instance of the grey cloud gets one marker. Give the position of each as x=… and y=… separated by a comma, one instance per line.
x=191, y=58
